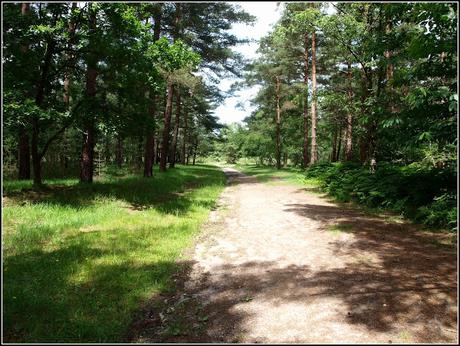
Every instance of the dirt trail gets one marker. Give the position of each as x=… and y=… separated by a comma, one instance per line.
x=272, y=268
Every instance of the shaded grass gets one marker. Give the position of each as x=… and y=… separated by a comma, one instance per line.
x=79, y=259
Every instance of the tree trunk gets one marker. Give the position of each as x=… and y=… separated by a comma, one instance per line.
x=339, y=145
x=36, y=160
x=39, y=98
x=87, y=157
x=149, y=154
x=167, y=123
x=150, y=150
x=278, y=123
x=24, y=148
x=176, y=131
x=305, y=153
x=349, y=125
x=24, y=155
x=184, y=139
x=195, y=148
x=314, y=146
x=156, y=149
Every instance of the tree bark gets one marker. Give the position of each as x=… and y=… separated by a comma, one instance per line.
x=184, y=139
x=176, y=131
x=150, y=151
x=349, y=124
x=278, y=123
x=314, y=146
x=87, y=156
x=195, y=148
x=167, y=123
x=305, y=156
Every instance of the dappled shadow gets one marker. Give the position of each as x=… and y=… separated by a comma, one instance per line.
x=235, y=177
x=74, y=294
x=166, y=192
x=372, y=297
x=396, y=285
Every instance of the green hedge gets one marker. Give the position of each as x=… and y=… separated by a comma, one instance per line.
x=426, y=195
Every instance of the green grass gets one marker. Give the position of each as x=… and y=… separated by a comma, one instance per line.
x=79, y=259
x=270, y=175
x=338, y=229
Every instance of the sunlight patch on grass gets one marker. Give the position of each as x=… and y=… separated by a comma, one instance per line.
x=339, y=229
x=272, y=176
x=78, y=261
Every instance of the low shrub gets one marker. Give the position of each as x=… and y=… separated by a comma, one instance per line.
x=426, y=195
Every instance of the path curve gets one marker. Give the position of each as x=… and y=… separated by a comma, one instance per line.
x=279, y=264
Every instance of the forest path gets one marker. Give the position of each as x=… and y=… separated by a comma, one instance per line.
x=279, y=264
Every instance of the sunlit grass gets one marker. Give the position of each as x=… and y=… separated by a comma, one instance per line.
x=287, y=175
x=338, y=229
x=79, y=258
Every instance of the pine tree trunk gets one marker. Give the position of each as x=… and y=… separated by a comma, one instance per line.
x=339, y=145
x=167, y=123
x=184, y=139
x=176, y=131
x=150, y=142
x=278, y=123
x=314, y=146
x=305, y=153
x=87, y=156
x=195, y=148
x=149, y=154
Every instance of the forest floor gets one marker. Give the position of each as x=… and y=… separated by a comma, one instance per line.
x=280, y=263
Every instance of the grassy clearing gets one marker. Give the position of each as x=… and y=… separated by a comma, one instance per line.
x=270, y=175
x=79, y=259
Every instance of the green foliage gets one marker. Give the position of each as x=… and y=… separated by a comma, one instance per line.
x=425, y=194
x=172, y=57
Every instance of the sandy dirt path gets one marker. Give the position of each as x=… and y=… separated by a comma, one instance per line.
x=278, y=264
